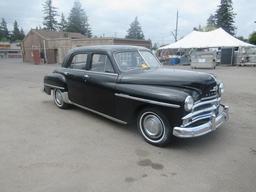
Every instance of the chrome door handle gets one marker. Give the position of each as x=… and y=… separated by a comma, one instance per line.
x=67, y=73
x=86, y=77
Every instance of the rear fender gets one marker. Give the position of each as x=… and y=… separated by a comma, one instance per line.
x=55, y=81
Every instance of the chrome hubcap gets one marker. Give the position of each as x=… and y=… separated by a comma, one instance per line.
x=58, y=97
x=153, y=126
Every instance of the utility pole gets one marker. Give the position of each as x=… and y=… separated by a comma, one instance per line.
x=177, y=23
x=175, y=32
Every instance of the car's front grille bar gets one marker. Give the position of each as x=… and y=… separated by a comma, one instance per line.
x=195, y=113
x=205, y=102
x=202, y=110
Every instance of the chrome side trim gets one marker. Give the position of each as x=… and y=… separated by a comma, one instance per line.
x=66, y=100
x=147, y=100
x=53, y=86
x=96, y=72
x=99, y=113
x=102, y=73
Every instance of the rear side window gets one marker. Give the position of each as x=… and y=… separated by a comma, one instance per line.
x=79, y=61
x=101, y=63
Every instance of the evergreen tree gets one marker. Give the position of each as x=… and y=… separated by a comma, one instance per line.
x=199, y=28
x=22, y=34
x=211, y=23
x=155, y=47
x=63, y=23
x=38, y=27
x=225, y=16
x=135, y=31
x=78, y=20
x=4, y=33
x=16, y=32
x=252, y=38
x=242, y=38
x=86, y=30
x=50, y=13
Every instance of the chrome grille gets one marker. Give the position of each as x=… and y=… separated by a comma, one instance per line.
x=211, y=93
x=202, y=111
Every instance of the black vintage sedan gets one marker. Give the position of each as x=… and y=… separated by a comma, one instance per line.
x=128, y=84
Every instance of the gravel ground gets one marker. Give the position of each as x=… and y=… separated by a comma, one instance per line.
x=43, y=148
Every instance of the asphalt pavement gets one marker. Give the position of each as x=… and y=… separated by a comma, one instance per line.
x=43, y=148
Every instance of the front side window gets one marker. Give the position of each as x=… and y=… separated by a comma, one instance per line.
x=132, y=60
x=79, y=61
x=101, y=63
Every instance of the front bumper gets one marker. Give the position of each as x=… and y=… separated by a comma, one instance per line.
x=196, y=131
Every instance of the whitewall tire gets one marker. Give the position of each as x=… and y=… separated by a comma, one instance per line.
x=58, y=99
x=154, y=127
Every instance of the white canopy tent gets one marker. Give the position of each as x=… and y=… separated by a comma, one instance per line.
x=211, y=39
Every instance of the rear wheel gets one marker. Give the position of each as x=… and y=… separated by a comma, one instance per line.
x=58, y=99
x=154, y=127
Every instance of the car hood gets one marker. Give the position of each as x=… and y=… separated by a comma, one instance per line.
x=198, y=81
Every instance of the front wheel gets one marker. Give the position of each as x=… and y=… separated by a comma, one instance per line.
x=58, y=99
x=154, y=127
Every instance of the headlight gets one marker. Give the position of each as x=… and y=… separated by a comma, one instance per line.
x=221, y=88
x=189, y=102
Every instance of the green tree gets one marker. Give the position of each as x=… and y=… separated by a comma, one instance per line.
x=22, y=34
x=155, y=47
x=199, y=28
x=78, y=20
x=4, y=33
x=211, y=23
x=252, y=38
x=242, y=38
x=225, y=16
x=63, y=23
x=16, y=32
x=50, y=13
x=135, y=30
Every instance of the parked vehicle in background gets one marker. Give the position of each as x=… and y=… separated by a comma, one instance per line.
x=127, y=83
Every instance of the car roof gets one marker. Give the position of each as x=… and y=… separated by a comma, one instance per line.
x=108, y=48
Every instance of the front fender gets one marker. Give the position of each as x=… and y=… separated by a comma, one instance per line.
x=133, y=98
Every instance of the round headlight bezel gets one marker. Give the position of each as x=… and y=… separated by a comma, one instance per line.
x=221, y=88
x=189, y=103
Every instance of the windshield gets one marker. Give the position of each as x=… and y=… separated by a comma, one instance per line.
x=131, y=60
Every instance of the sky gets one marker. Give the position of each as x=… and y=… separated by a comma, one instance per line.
x=113, y=17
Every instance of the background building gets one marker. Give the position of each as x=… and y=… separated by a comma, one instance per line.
x=10, y=50
x=41, y=46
